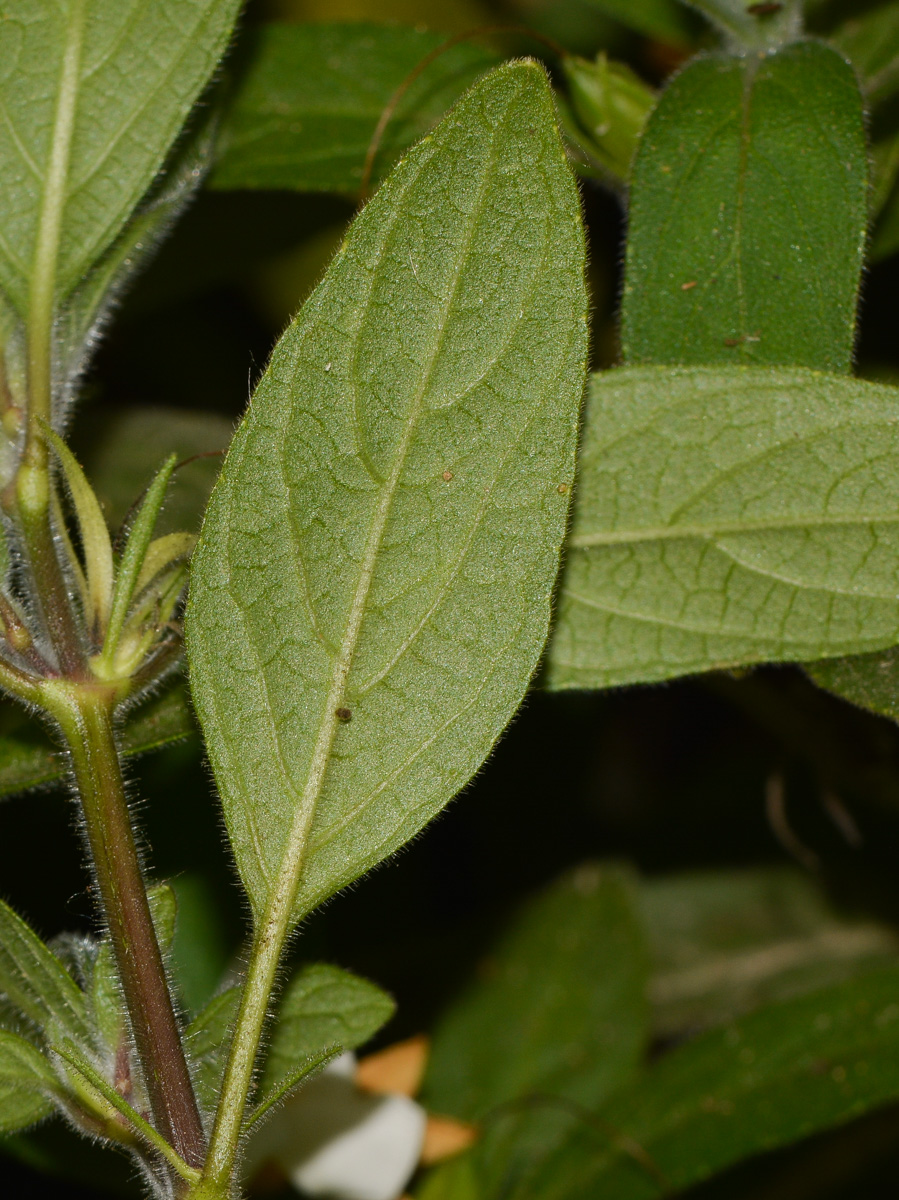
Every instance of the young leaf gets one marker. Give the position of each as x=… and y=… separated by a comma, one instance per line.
x=322, y=1007
x=36, y=982
x=371, y=589
x=562, y=1008
x=748, y=214
x=75, y=165
x=728, y=517
x=307, y=107
x=26, y=1081
x=783, y=1073
x=289, y=1082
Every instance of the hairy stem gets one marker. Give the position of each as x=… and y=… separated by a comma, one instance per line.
x=85, y=716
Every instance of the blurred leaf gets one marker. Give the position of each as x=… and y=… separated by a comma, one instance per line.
x=200, y=946
x=26, y=1078
x=728, y=517
x=559, y=1006
x=307, y=107
x=665, y=20
x=611, y=105
x=417, y=469
x=28, y=758
x=753, y=26
x=35, y=981
x=207, y=1039
x=868, y=680
x=287, y=1083
x=127, y=446
x=748, y=214
x=870, y=40
x=779, y=1075
x=76, y=165
x=322, y=1007
x=726, y=942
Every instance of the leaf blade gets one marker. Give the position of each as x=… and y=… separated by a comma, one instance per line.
x=26, y=1078
x=462, y=336
x=706, y=535
x=747, y=222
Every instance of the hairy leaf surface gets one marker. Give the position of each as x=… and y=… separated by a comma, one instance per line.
x=307, y=107
x=93, y=95
x=748, y=214
x=728, y=517
x=371, y=590
x=34, y=980
x=322, y=1006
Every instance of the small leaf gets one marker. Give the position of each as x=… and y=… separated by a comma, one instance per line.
x=611, y=104
x=131, y=566
x=371, y=589
x=75, y=164
x=307, y=107
x=96, y=545
x=26, y=1082
x=288, y=1083
x=783, y=1073
x=728, y=517
x=748, y=214
x=36, y=982
x=322, y=1007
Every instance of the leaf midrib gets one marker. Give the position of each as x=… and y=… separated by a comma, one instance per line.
x=715, y=530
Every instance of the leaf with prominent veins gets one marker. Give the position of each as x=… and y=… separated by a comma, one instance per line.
x=371, y=590
x=92, y=96
x=726, y=517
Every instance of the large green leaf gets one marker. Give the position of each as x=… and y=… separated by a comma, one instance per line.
x=729, y=517
x=305, y=111
x=26, y=1079
x=748, y=214
x=322, y=1006
x=28, y=758
x=371, y=590
x=93, y=95
x=784, y=1073
x=726, y=942
x=560, y=1006
x=34, y=980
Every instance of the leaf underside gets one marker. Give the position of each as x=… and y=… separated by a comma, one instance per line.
x=372, y=585
x=727, y=517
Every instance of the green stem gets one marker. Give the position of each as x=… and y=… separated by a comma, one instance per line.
x=85, y=716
